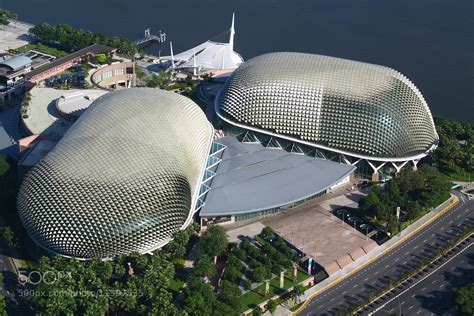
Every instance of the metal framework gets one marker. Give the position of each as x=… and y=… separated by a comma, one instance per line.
x=124, y=178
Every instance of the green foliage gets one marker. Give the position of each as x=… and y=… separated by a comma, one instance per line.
x=4, y=165
x=271, y=306
x=5, y=16
x=204, y=266
x=298, y=290
x=76, y=39
x=455, y=153
x=176, y=249
x=140, y=72
x=208, y=76
x=229, y=295
x=42, y=48
x=101, y=58
x=259, y=274
x=415, y=192
x=3, y=303
x=106, y=286
x=465, y=299
x=160, y=80
x=267, y=233
x=200, y=298
x=9, y=236
x=212, y=242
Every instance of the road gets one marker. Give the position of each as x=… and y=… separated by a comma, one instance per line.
x=431, y=291
x=376, y=276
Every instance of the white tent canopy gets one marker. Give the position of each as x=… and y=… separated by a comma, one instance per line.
x=211, y=55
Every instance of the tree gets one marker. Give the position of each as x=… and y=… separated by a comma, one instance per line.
x=5, y=16
x=465, y=299
x=271, y=306
x=267, y=233
x=9, y=236
x=298, y=290
x=204, y=267
x=200, y=298
x=230, y=295
x=101, y=58
x=231, y=273
x=3, y=304
x=259, y=274
x=4, y=165
x=212, y=242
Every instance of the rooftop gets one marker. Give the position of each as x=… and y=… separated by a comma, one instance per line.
x=43, y=117
x=251, y=177
x=76, y=102
x=93, y=49
x=38, y=152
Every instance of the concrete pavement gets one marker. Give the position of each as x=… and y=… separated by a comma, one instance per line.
x=340, y=291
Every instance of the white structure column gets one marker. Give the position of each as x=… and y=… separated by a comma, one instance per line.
x=375, y=174
x=194, y=62
x=415, y=164
x=172, y=55
x=399, y=167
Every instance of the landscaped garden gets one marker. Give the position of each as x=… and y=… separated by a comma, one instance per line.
x=416, y=193
x=42, y=48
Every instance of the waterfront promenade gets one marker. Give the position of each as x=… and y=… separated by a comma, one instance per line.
x=14, y=35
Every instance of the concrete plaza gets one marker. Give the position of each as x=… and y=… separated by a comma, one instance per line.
x=312, y=228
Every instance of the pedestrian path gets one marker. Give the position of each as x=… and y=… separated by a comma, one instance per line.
x=375, y=253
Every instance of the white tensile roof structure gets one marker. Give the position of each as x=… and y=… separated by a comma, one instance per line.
x=210, y=55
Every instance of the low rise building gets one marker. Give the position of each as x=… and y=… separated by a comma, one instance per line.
x=118, y=75
x=14, y=69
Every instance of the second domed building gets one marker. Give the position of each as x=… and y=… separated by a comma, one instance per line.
x=359, y=113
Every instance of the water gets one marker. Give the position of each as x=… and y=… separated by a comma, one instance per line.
x=430, y=41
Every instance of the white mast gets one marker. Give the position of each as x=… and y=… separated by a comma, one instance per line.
x=194, y=61
x=172, y=55
x=232, y=32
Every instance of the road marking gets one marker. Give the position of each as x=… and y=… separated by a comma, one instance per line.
x=410, y=307
x=422, y=289
x=406, y=253
x=366, y=279
x=434, y=281
x=442, y=285
x=355, y=285
x=426, y=276
x=388, y=250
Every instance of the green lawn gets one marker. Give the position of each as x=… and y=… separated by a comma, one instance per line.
x=42, y=49
x=176, y=284
x=257, y=296
x=458, y=174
